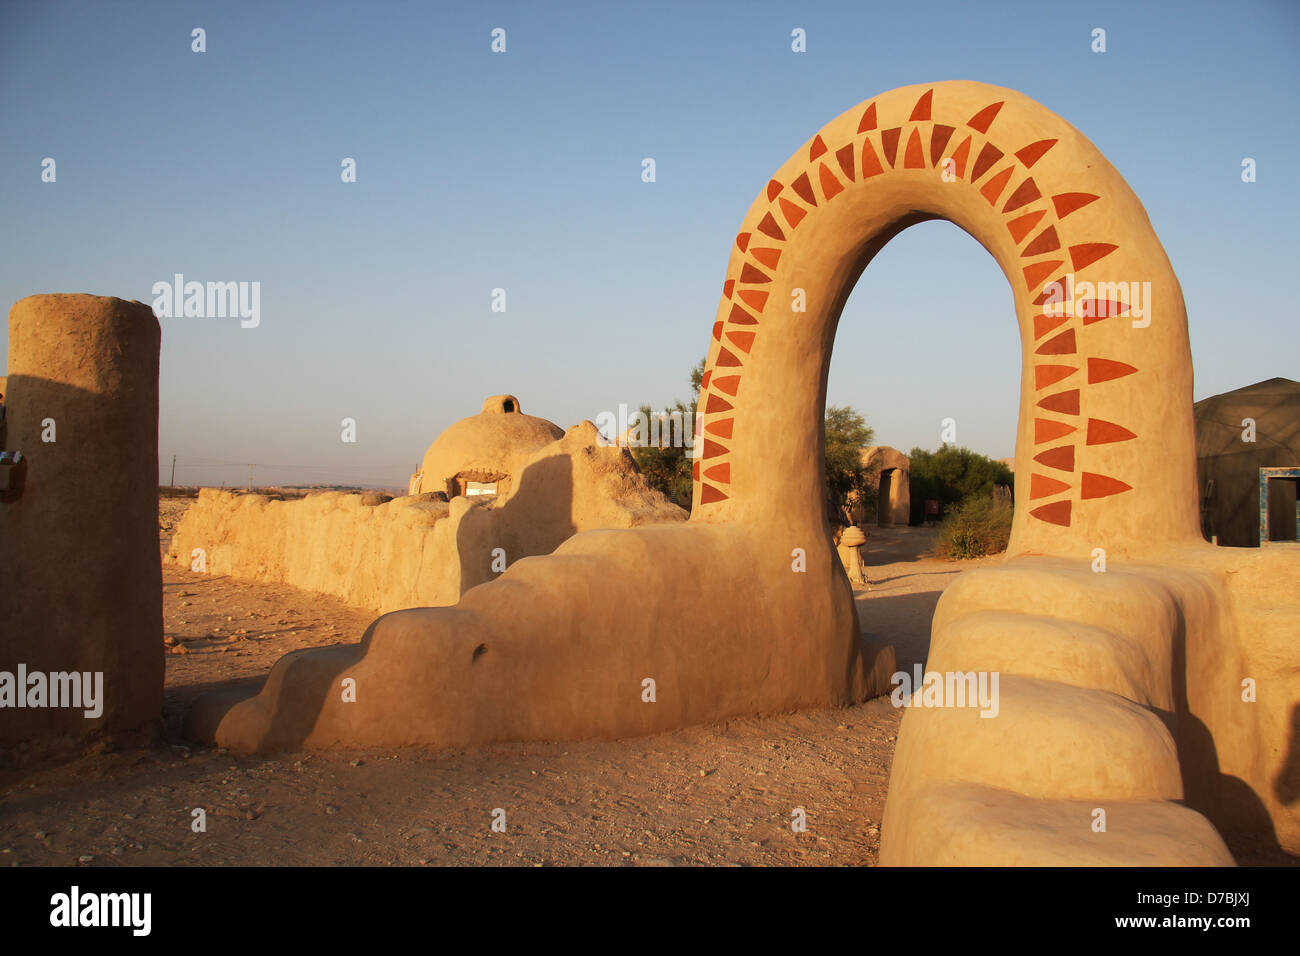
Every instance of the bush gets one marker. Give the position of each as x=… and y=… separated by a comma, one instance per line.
x=952, y=475
x=976, y=528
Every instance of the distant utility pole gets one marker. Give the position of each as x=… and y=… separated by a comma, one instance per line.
x=173, y=471
x=250, y=477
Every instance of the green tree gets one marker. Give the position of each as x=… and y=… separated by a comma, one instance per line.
x=848, y=483
x=665, y=465
x=952, y=475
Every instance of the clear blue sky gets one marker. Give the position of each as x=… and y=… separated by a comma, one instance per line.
x=522, y=171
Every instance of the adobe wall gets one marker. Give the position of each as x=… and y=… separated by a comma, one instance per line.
x=410, y=552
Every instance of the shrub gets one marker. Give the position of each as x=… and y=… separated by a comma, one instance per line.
x=951, y=475
x=977, y=527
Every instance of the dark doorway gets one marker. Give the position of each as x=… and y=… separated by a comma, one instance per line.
x=1282, y=516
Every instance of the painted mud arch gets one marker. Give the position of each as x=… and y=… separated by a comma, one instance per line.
x=1119, y=689
x=1102, y=401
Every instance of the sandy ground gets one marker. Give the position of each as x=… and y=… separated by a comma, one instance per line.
x=720, y=794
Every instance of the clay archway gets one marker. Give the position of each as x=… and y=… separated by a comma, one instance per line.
x=1104, y=443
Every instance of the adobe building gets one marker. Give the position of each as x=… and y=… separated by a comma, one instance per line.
x=894, y=476
x=1237, y=434
x=482, y=454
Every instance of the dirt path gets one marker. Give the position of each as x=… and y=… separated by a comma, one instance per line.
x=905, y=587
x=720, y=794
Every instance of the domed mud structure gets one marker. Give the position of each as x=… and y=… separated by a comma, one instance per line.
x=484, y=453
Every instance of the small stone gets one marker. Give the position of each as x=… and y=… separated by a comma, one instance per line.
x=39, y=834
x=85, y=858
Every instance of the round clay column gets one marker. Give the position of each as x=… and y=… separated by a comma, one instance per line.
x=80, y=572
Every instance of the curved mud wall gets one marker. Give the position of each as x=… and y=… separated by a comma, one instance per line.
x=414, y=552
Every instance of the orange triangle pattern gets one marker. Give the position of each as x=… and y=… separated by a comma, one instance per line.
x=804, y=188
x=1089, y=252
x=1103, y=433
x=744, y=341
x=914, y=158
x=1045, y=375
x=889, y=143
x=728, y=383
x=868, y=121
x=1061, y=458
x=1062, y=344
x=959, y=157
x=1101, y=486
x=1025, y=193
x=1103, y=370
x=1036, y=273
x=1094, y=310
x=1047, y=241
x=1067, y=403
x=845, y=157
x=709, y=494
x=793, y=213
x=740, y=316
x=989, y=155
x=1034, y=151
x=1047, y=429
x=938, y=140
x=921, y=111
x=1067, y=203
x=831, y=186
x=870, y=161
x=1019, y=228
x=992, y=189
x=1058, y=512
x=984, y=118
x=1045, y=323
x=1041, y=486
